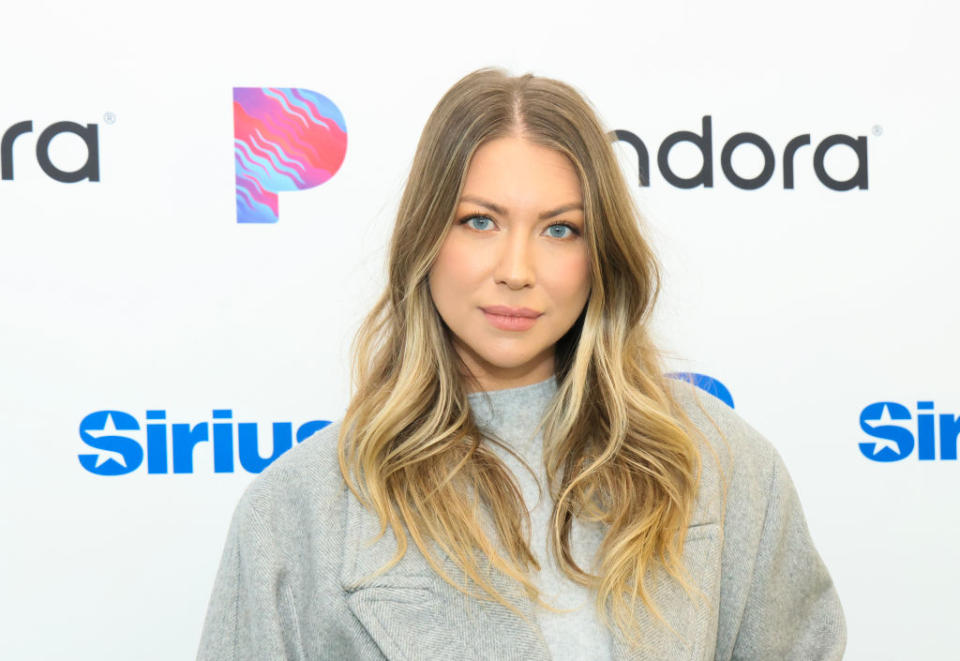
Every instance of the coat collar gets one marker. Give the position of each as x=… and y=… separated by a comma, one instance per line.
x=412, y=613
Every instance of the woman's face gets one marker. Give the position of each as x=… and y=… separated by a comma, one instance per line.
x=513, y=275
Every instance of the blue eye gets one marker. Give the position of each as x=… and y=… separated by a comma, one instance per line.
x=560, y=231
x=480, y=223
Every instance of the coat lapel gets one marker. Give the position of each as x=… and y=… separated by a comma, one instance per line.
x=694, y=619
x=412, y=613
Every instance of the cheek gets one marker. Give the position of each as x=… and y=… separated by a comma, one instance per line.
x=456, y=268
x=570, y=278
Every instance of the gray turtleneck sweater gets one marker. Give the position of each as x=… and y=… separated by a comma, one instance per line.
x=512, y=416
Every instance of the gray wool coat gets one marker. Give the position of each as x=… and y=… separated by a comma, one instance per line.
x=297, y=547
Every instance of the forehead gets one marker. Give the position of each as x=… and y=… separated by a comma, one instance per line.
x=520, y=173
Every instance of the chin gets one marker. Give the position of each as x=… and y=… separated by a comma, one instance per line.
x=509, y=362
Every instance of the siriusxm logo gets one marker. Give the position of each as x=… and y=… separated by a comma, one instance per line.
x=891, y=424
x=89, y=170
x=703, y=142
x=114, y=435
x=285, y=139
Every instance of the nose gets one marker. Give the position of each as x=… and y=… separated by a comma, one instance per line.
x=515, y=267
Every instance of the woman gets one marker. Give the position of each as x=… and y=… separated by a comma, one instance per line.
x=565, y=500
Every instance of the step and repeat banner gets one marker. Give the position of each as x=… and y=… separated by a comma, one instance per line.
x=195, y=204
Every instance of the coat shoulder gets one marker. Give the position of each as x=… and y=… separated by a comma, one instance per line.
x=777, y=600
x=737, y=461
x=303, y=484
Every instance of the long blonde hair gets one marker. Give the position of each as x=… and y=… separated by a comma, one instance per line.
x=617, y=447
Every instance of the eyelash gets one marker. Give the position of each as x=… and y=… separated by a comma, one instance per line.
x=463, y=221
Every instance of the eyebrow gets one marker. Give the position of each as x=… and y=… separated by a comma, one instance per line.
x=503, y=212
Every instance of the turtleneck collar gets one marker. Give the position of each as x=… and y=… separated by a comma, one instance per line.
x=514, y=413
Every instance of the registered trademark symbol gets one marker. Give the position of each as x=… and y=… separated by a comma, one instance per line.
x=877, y=129
x=110, y=118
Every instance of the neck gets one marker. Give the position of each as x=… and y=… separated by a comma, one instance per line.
x=481, y=376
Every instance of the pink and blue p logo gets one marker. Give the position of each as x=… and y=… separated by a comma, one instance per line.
x=285, y=139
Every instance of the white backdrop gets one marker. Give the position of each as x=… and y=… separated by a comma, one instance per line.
x=141, y=291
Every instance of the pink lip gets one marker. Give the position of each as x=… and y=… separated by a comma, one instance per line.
x=504, y=311
x=511, y=319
